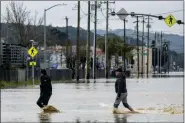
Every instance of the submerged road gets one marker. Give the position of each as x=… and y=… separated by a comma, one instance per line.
x=159, y=99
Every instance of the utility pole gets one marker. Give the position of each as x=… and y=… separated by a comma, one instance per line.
x=155, y=52
x=77, y=43
x=66, y=43
x=94, y=59
x=88, y=43
x=124, y=55
x=148, y=45
x=169, y=57
x=161, y=52
x=142, y=47
x=137, y=47
x=106, y=39
x=158, y=52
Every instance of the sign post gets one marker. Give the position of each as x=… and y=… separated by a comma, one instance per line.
x=32, y=52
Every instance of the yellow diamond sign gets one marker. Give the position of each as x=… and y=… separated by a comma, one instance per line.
x=170, y=20
x=32, y=51
x=33, y=63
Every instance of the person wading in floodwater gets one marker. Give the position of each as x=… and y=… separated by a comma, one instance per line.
x=45, y=89
x=121, y=90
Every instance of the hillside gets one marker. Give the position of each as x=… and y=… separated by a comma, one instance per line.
x=177, y=41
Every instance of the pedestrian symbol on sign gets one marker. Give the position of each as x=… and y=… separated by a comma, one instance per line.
x=32, y=52
x=170, y=20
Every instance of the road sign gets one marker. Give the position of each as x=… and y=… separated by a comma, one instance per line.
x=122, y=11
x=170, y=20
x=33, y=63
x=32, y=51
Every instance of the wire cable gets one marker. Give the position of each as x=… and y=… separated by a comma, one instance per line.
x=170, y=12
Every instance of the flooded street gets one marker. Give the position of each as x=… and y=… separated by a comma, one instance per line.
x=93, y=102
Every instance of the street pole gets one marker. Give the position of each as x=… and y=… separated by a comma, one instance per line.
x=77, y=43
x=155, y=53
x=169, y=58
x=161, y=52
x=106, y=40
x=45, y=38
x=125, y=44
x=142, y=48
x=67, y=47
x=137, y=48
x=94, y=59
x=158, y=53
x=88, y=43
x=32, y=69
x=148, y=45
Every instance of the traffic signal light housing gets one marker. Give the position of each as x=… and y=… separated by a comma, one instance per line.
x=180, y=22
x=165, y=47
x=160, y=17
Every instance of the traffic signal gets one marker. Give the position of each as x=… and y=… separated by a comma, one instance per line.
x=165, y=47
x=180, y=22
x=153, y=43
x=113, y=13
x=160, y=17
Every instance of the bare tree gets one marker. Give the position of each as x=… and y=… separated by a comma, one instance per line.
x=24, y=25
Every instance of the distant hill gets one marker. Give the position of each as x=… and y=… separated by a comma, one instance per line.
x=177, y=41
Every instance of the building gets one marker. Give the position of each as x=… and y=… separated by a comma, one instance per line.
x=13, y=55
x=144, y=60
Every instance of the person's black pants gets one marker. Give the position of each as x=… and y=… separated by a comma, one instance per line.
x=43, y=100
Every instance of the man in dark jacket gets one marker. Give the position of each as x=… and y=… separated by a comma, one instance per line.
x=121, y=90
x=45, y=89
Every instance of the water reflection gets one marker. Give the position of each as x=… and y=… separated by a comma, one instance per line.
x=120, y=118
x=88, y=121
x=44, y=117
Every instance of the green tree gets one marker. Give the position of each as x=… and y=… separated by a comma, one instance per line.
x=115, y=47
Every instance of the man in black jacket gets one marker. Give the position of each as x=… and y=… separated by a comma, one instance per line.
x=121, y=90
x=45, y=89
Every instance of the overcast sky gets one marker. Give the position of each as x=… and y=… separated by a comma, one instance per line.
x=55, y=16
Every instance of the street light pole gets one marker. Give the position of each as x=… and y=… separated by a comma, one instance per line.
x=45, y=38
x=45, y=10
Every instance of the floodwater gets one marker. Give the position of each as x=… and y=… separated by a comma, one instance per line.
x=158, y=100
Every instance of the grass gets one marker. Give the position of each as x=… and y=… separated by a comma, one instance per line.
x=13, y=84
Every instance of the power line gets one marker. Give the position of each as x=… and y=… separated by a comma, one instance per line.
x=103, y=14
x=170, y=12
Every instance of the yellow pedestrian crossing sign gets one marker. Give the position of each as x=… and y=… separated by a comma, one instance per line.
x=33, y=63
x=170, y=20
x=32, y=51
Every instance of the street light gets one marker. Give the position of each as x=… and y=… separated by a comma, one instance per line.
x=45, y=29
